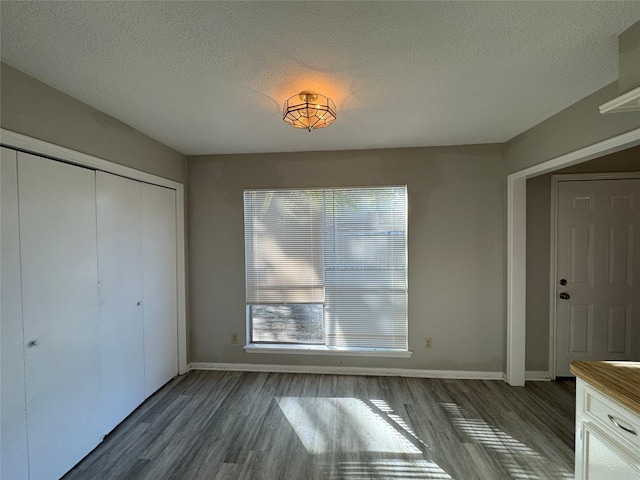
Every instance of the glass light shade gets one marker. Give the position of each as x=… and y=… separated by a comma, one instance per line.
x=309, y=110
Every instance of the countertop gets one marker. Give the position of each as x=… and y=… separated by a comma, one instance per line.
x=619, y=380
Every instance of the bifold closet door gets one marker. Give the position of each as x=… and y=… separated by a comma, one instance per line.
x=13, y=440
x=159, y=285
x=120, y=294
x=57, y=209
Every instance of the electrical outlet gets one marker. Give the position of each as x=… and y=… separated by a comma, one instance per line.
x=234, y=338
x=427, y=342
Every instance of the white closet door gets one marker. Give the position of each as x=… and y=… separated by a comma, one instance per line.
x=159, y=286
x=60, y=311
x=13, y=441
x=120, y=294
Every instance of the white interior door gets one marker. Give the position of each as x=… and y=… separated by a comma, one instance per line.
x=60, y=312
x=13, y=429
x=598, y=271
x=120, y=296
x=159, y=285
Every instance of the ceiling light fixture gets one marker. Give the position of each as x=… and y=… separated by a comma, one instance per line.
x=309, y=110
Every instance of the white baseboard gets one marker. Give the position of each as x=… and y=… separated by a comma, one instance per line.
x=537, y=376
x=384, y=372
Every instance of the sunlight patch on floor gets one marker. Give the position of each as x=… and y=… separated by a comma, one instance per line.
x=388, y=469
x=508, y=448
x=390, y=413
x=342, y=425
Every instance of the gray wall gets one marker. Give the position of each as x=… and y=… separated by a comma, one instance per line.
x=629, y=58
x=33, y=108
x=538, y=248
x=456, y=249
x=576, y=127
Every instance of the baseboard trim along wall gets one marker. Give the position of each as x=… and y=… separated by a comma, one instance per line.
x=380, y=372
x=537, y=376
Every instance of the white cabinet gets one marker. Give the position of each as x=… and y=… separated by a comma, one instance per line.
x=604, y=459
x=89, y=308
x=607, y=437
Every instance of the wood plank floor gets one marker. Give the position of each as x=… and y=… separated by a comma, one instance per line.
x=239, y=425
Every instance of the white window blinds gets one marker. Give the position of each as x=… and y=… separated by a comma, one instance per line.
x=365, y=261
x=283, y=246
x=345, y=248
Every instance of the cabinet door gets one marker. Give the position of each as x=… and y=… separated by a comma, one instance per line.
x=60, y=311
x=120, y=295
x=159, y=286
x=13, y=441
x=605, y=459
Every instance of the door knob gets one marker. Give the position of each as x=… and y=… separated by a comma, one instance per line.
x=565, y=296
x=34, y=343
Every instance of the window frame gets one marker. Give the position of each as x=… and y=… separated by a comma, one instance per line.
x=252, y=346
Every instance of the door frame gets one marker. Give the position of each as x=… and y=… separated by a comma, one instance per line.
x=517, y=248
x=28, y=144
x=553, y=273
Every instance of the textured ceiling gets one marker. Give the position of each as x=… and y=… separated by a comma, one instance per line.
x=211, y=77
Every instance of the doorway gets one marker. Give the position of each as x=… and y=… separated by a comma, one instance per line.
x=517, y=249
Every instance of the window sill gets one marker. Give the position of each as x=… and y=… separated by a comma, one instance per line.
x=324, y=350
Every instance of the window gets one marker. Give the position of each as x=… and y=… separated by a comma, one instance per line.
x=327, y=267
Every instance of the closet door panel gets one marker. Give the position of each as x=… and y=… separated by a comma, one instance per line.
x=120, y=296
x=159, y=286
x=13, y=441
x=60, y=311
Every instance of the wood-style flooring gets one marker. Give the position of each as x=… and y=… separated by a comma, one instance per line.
x=239, y=425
